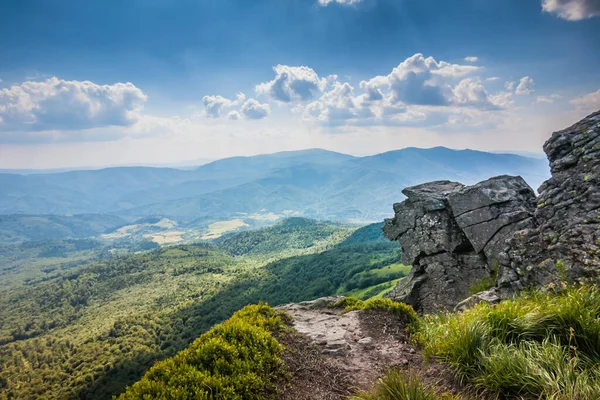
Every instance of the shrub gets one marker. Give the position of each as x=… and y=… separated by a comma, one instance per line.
x=540, y=345
x=405, y=312
x=238, y=359
x=347, y=303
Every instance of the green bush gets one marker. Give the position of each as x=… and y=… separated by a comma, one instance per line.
x=396, y=386
x=406, y=313
x=540, y=345
x=238, y=359
x=348, y=303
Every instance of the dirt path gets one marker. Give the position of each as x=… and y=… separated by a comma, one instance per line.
x=343, y=352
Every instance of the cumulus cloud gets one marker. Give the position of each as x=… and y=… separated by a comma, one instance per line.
x=340, y=104
x=471, y=59
x=344, y=2
x=572, y=10
x=471, y=92
x=293, y=83
x=56, y=104
x=252, y=109
x=420, y=91
x=214, y=105
x=587, y=102
x=234, y=115
x=525, y=86
x=547, y=99
x=419, y=80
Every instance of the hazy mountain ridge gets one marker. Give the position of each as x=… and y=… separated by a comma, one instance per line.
x=17, y=228
x=316, y=183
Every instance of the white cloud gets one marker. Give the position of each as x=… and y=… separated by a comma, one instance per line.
x=587, y=102
x=293, y=84
x=56, y=104
x=338, y=105
x=510, y=86
x=214, y=105
x=345, y=2
x=419, y=80
x=548, y=99
x=471, y=59
x=471, y=92
x=420, y=91
x=492, y=79
x=525, y=86
x=252, y=109
x=572, y=10
x=234, y=115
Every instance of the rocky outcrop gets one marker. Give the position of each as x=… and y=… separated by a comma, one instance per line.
x=564, y=244
x=455, y=235
x=452, y=235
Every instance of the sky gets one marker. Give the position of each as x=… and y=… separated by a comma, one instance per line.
x=122, y=82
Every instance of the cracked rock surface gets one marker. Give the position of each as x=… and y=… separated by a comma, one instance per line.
x=452, y=236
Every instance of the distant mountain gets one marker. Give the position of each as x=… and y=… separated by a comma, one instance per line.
x=313, y=183
x=18, y=228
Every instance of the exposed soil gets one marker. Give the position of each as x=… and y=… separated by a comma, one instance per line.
x=336, y=354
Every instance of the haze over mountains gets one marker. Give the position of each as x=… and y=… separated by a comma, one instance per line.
x=314, y=183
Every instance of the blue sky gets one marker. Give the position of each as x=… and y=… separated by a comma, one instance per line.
x=88, y=83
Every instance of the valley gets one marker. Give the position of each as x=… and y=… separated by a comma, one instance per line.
x=88, y=329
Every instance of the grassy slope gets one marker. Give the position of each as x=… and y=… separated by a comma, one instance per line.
x=538, y=346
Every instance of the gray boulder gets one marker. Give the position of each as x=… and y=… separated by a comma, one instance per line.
x=489, y=296
x=447, y=258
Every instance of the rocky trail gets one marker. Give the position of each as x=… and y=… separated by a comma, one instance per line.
x=337, y=353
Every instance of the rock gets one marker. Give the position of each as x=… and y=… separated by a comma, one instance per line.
x=564, y=243
x=367, y=343
x=491, y=211
x=453, y=235
x=488, y=296
x=323, y=302
x=335, y=352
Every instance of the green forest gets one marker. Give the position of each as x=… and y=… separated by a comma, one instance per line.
x=94, y=323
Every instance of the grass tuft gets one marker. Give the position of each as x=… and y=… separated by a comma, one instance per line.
x=540, y=345
x=397, y=386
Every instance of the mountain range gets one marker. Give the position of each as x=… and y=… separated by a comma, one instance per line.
x=314, y=183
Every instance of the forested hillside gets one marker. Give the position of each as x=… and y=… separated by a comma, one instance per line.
x=89, y=330
x=19, y=228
